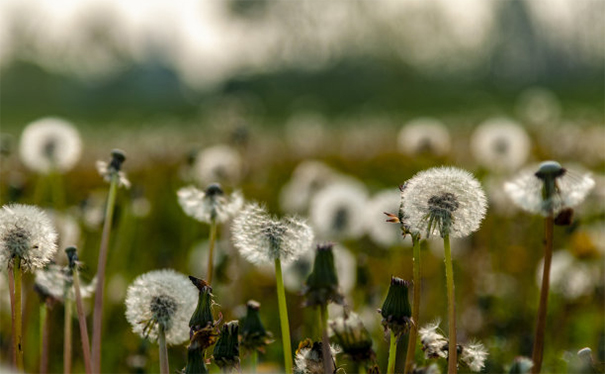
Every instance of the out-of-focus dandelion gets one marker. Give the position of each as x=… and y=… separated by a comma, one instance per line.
x=306, y=133
x=112, y=173
x=309, y=357
x=50, y=144
x=220, y=163
x=424, y=136
x=474, y=355
x=338, y=211
x=538, y=106
x=450, y=202
x=349, y=333
x=261, y=238
x=307, y=179
x=226, y=350
x=158, y=306
x=500, y=144
x=396, y=316
x=569, y=276
x=254, y=335
x=27, y=242
x=210, y=206
x=381, y=233
x=548, y=191
x=521, y=365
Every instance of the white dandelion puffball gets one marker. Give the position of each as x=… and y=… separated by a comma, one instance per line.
x=500, y=144
x=219, y=163
x=161, y=297
x=262, y=239
x=26, y=232
x=307, y=179
x=474, y=355
x=434, y=344
x=424, y=135
x=211, y=205
x=380, y=231
x=338, y=211
x=567, y=189
x=53, y=279
x=50, y=144
x=444, y=201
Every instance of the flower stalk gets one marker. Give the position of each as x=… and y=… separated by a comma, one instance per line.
x=409, y=359
x=392, y=353
x=44, y=320
x=325, y=341
x=283, y=317
x=67, y=335
x=213, y=226
x=73, y=266
x=17, y=315
x=164, y=366
x=451, y=307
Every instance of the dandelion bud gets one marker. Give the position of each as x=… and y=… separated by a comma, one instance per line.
x=321, y=286
x=254, y=335
x=202, y=316
x=396, y=310
x=352, y=336
x=226, y=350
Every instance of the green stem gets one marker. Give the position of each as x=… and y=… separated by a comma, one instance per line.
x=253, y=361
x=18, y=323
x=452, y=362
x=164, y=367
x=325, y=340
x=283, y=317
x=44, y=317
x=97, y=322
x=82, y=321
x=538, y=349
x=392, y=354
x=67, y=333
x=409, y=358
x=211, y=251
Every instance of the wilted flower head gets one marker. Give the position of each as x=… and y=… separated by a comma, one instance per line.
x=254, y=334
x=396, y=310
x=50, y=144
x=161, y=297
x=424, y=135
x=211, y=205
x=444, y=201
x=261, y=238
x=352, y=336
x=307, y=179
x=309, y=357
x=57, y=282
x=26, y=232
x=321, y=286
x=108, y=170
x=338, y=211
x=500, y=144
x=219, y=163
x=548, y=190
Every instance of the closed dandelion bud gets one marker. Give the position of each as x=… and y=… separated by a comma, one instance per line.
x=521, y=365
x=396, y=310
x=195, y=361
x=202, y=316
x=351, y=335
x=226, y=350
x=254, y=335
x=321, y=286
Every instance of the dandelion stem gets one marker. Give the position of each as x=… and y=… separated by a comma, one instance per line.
x=452, y=365
x=44, y=319
x=409, y=359
x=325, y=340
x=82, y=321
x=11, y=288
x=392, y=354
x=164, y=367
x=211, y=250
x=283, y=317
x=97, y=321
x=538, y=349
x=18, y=323
x=253, y=361
x=67, y=333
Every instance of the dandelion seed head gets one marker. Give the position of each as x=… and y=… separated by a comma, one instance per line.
x=442, y=201
x=26, y=232
x=261, y=238
x=50, y=144
x=161, y=297
x=219, y=163
x=211, y=205
x=500, y=144
x=55, y=280
x=434, y=344
x=338, y=211
x=550, y=189
x=108, y=169
x=307, y=179
x=474, y=355
x=381, y=232
x=424, y=135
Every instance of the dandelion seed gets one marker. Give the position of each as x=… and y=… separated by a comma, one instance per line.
x=261, y=238
x=211, y=205
x=474, y=355
x=26, y=232
x=338, y=211
x=500, y=144
x=107, y=170
x=50, y=144
x=444, y=201
x=161, y=297
x=424, y=135
x=219, y=163
x=434, y=344
x=549, y=190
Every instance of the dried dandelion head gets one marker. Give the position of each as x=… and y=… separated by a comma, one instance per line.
x=114, y=167
x=211, y=205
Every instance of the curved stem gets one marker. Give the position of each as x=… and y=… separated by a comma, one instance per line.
x=164, y=367
x=67, y=336
x=325, y=340
x=97, y=321
x=82, y=322
x=18, y=323
x=452, y=362
x=283, y=317
x=538, y=349
x=211, y=251
x=392, y=354
x=409, y=357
